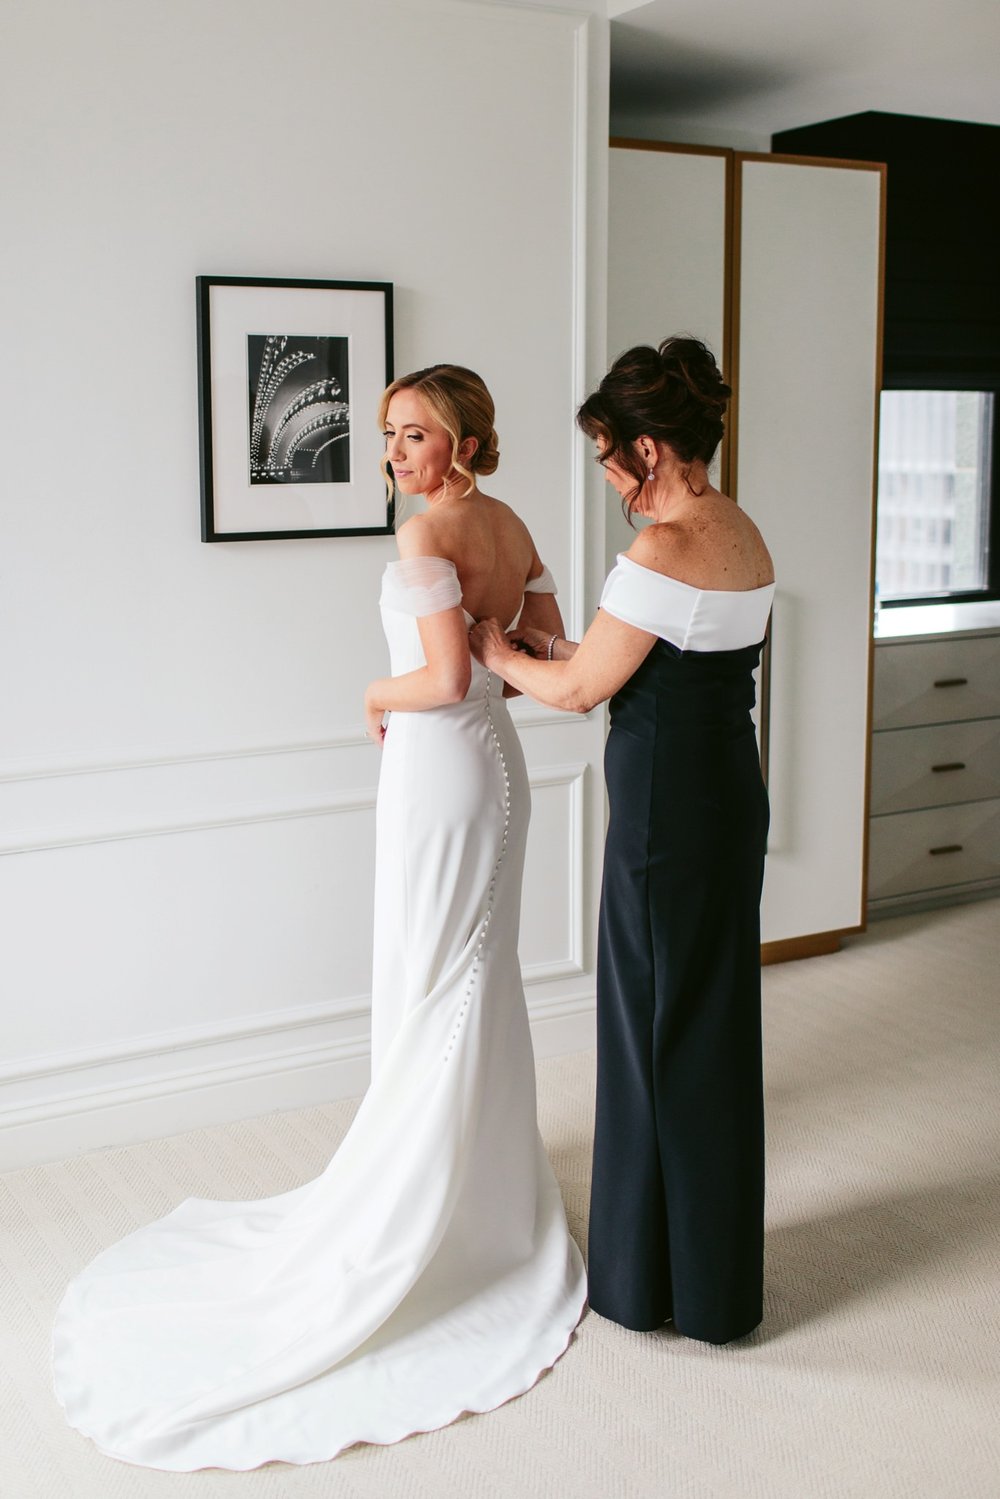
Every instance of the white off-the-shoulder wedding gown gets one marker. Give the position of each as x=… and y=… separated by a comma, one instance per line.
x=429, y=1270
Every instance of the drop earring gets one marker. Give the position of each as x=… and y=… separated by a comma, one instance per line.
x=650, y=477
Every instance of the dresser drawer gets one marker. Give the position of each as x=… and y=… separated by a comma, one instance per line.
x=931, y=766
x=934, y=681
x=933, y=850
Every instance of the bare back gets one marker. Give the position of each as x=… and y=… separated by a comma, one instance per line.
x=491, y=548
x=708, y=543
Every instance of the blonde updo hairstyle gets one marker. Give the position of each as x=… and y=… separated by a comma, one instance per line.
x=459, y=400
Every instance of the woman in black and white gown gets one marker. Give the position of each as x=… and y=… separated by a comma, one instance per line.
x=677, y=1203
x=429, y=1270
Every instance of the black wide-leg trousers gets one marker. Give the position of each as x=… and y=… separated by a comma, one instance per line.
x=677, y=1206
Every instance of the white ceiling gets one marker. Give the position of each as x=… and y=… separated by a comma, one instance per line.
x=735, y=69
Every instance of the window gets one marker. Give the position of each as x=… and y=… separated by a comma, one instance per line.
x=936, y=496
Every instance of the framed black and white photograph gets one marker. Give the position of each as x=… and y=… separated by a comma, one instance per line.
x=289, y=378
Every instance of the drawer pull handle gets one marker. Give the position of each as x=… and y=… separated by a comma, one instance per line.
x=952, y=682
x=951, y=765
x=947, y=848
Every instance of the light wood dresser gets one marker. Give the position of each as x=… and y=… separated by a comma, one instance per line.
x=934, y=833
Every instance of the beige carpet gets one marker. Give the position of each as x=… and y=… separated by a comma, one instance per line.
x=875, y=1374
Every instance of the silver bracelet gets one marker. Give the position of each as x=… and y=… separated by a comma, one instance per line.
x=551, y=647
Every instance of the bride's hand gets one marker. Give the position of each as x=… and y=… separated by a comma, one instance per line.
x=489, y=645
x=374, y=721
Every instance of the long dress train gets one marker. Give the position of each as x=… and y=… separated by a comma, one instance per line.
x=429, y=1270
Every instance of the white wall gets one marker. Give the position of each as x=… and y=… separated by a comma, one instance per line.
x=667, y=265
x=805, y=316
x=642, y=123
x=808, y=392
x=185, y=789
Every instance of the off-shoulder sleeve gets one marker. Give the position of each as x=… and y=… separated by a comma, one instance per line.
x=544, y=583
x=420, y=586
x=693, y=619
x=640, y=597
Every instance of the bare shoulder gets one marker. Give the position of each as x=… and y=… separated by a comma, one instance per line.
x=420, y=537
x=758, y=568
x=715, y=546
x=660, y=546
x=509, y=538
x=517, y=535
x=505, y=515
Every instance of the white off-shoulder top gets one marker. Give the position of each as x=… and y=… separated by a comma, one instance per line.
x=429, y=585
x=692, y=619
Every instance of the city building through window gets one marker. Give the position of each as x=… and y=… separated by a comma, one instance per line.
x=935, y=485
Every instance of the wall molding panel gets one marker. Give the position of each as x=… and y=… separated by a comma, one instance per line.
x=160, y=824
x=526, y=714
x=71, y=1098
x=216, y=821
x=187, y=794
x=58, y=766
x=542, y=880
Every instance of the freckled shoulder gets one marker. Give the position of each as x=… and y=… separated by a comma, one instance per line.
x=656, y=545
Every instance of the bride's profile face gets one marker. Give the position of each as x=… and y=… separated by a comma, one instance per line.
x=416, y=445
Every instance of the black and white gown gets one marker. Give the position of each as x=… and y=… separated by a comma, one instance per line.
x=429, y=1270
x=677, y=1205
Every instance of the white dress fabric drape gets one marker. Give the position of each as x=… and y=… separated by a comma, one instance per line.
x=429, y=1270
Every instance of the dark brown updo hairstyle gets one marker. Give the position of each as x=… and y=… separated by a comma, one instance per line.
x=675, y=394
x=462, y=404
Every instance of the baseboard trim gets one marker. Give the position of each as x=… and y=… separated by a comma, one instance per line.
x=931, y=900
x=184, y=1039
x=813, y=945
x=170, y=1105
x=564, y=1025
x=123, y=1111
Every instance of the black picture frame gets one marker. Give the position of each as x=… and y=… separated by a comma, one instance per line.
x=289, y=377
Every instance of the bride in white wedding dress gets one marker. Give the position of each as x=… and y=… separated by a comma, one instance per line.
x=429, y=1270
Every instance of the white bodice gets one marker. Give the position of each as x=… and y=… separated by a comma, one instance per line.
x=692, y=619
x=412, y=588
